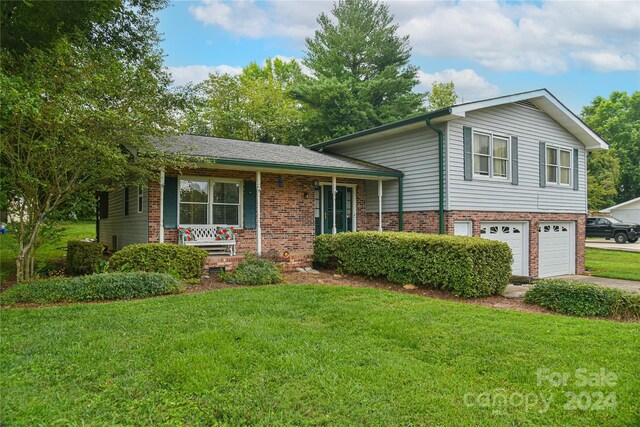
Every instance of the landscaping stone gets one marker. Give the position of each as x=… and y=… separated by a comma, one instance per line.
x=311, y=270
x=410, y=286
x=515, y=291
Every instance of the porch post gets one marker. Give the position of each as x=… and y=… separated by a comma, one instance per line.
x=258, y=227
x=333, y=210
x=379, y=205
x=161, y=228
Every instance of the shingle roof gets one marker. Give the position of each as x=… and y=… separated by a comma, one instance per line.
x=280, y=156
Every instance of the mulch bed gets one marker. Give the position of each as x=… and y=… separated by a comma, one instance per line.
x=330, y=278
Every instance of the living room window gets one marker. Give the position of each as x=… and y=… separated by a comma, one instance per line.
x=491, y=155
x=558, y=166
x=209, y=201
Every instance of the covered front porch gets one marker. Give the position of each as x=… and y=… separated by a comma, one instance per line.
x=233, y=206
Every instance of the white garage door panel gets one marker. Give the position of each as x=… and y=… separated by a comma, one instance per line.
x=556, y=247
x=515, y=235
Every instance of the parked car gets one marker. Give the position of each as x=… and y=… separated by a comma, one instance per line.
x=611, y=228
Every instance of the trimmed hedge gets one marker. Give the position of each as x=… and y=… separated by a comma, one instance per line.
x=467, y=266
x=84, y=257
x=254, y=271
x=583, y=299
x=184, y=262
x=95, y=287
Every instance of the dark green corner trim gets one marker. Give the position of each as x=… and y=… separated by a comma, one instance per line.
x=440, y=175
x=390, y=173
x=399, y=123
x=400, y=203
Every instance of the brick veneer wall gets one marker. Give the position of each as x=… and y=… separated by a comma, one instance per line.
x=287, y=217
x=427, y=222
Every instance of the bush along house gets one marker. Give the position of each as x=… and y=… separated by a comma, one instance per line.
x=511, y=169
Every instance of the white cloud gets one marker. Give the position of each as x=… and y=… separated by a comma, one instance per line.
x=550, y=37
x=468, y=84
x=199, y=73
x=253, y=19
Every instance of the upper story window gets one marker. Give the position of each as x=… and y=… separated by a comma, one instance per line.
x=210, y=201
x=490, y=155
x=558, y=166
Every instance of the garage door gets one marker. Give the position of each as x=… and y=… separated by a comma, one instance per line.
x=515, y=235
x=557, y=249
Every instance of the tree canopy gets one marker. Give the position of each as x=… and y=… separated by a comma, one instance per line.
x=442, y=94
x=361, y=72
x=78, y=109
x=254, y=105
x=614, y=177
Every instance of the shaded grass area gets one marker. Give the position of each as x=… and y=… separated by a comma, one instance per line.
x=613, y=264
x=305, y=355
x=48, y=253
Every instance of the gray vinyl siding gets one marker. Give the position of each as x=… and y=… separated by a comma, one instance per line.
x=413, y=152
x=133, y=228
x=530, y=126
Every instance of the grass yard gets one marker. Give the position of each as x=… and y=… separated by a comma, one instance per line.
x=46, y=254
x=308, y=355
x=613, y=264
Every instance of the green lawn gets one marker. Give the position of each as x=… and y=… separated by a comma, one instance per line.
x=49, y=252
x=613, y=264
x=307, y=355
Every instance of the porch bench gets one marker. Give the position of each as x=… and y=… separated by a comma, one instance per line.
x=216, y=240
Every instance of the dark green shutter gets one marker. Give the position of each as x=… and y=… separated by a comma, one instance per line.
x=576, y=173
x=514, y=160
x=170, y=205
x=543, y=164
x=468, y=153
x=249, y=203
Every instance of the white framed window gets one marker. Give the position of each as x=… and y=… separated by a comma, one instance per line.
x=491, y=155
x=212, y=201
x=558, y=167
x=140, y=199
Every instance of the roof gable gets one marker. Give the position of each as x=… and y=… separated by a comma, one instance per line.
x=541, y=99
x=621, y=205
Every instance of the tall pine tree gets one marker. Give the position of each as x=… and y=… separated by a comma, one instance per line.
x=362, y=75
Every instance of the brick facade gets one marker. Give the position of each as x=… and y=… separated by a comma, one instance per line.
x=287, y=216
x=287, y=219
x=427, y=222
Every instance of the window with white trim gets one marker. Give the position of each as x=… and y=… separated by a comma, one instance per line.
x=558, y=166
x=491, y=155
x=210, y=201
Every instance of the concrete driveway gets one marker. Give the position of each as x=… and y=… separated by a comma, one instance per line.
x=624, y=285
x=613, y=246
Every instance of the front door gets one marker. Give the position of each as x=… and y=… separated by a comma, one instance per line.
x=344, y=220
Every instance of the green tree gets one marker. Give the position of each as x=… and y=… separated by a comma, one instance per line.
x=78, y=109
x=362, y=76
x=617, y=120
x=442, y=95
x=602, y=181
x=254, y=105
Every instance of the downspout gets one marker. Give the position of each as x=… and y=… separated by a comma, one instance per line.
x=400, y=203
x=440, y=175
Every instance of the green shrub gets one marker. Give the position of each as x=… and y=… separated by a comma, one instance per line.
x=254, y=271
x=583, y=299
x=84, y=257
x=184, y=262
x=467, y=266
x=106, y=286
